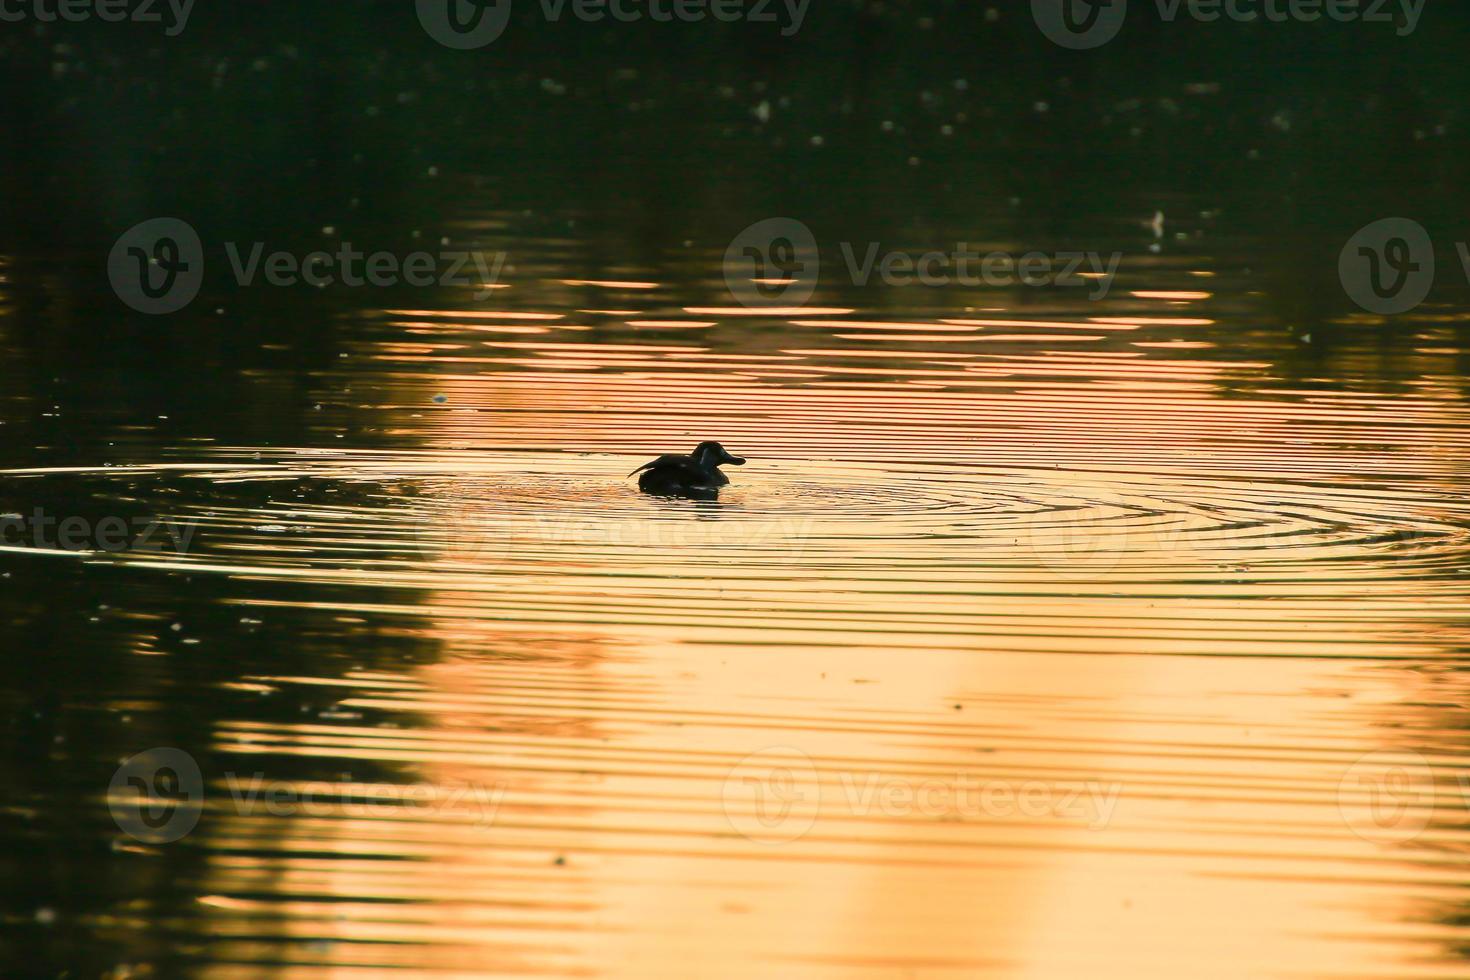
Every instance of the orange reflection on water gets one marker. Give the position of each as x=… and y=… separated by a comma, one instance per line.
x=1062, y=644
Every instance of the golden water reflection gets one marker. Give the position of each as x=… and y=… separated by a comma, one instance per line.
x=1034, y=642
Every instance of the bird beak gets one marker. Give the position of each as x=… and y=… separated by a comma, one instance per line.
x=736, y=460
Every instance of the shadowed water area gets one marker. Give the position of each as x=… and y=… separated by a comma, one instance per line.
x=1044, y=633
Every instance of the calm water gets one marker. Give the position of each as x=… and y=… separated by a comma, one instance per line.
x=1137, y=622
x=1041, y=636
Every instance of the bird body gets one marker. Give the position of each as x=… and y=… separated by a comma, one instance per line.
x=693, y=475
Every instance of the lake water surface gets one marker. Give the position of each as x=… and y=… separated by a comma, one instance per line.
x=1039, y=633
x=1048, y=632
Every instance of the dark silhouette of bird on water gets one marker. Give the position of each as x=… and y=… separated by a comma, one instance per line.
x=695, y=475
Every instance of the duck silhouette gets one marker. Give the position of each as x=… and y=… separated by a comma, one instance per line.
x=695, y=475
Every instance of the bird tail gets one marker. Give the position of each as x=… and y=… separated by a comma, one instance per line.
x=645, y=466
